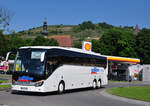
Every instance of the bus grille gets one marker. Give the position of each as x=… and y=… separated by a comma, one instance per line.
x=23, y=83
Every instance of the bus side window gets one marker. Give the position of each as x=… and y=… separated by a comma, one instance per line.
x=18, y=65
x=48, y=68
x=51, y=66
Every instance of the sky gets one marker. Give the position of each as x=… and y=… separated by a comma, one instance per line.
x=31, y=13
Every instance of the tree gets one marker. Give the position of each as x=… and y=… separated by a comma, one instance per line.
x=116, y=43
x=5, y=16
x=108, y=42
x=83, y=26
x=14, y=42
x=105, y=25
x=3, y=44
x=41, y=41
x=87, y=25
x=127, y=45
x=77, y=44
x=143, y=45
x=96, y=46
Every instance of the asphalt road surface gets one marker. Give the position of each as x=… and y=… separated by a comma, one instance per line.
x=81, y=97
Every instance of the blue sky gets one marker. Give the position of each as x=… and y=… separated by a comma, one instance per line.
x=31, y=13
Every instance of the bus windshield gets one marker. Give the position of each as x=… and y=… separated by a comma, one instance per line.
x=29, y=61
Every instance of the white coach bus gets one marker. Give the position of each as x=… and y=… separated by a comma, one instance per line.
x=47, y=69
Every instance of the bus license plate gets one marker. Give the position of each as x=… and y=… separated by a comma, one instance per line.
x=24, y=88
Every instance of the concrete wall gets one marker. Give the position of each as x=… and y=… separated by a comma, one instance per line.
x=135, y=69
x=146, y=73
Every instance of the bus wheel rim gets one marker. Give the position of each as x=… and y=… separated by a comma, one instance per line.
x=94, y=84
x=99, y=84
x=61, y=87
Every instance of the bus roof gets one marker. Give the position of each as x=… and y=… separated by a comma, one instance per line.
x=109, y=58
x=64, y=48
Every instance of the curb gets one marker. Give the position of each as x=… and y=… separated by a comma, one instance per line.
x=132, y=101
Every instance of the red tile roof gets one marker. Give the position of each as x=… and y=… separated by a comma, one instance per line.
x=63, y=40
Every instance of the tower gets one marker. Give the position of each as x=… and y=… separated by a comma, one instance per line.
x=44, y=31
x=136, y=31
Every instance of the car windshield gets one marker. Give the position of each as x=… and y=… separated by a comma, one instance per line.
x=29, y=61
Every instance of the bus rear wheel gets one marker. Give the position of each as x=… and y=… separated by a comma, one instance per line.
x=61, y=88
x=98, y=84
x=94, y=84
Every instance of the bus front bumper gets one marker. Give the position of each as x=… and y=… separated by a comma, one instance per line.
x=27, y=88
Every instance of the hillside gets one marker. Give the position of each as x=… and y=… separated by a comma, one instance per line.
x=84, y=31
x=52, y=30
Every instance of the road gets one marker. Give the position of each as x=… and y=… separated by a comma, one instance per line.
x=82, y=97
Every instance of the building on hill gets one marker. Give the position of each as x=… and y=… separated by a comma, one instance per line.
x=136, y=31
x=89, y=39
x=63, y=40
x=44, y=31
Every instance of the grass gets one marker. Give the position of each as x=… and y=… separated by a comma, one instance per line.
x=4, y=81
x=5, y=86
x=139, y=93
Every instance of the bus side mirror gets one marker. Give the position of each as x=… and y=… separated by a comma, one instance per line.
x=42, y=56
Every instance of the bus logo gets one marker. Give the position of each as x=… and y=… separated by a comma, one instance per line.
x=102, y=70
x=94, y=70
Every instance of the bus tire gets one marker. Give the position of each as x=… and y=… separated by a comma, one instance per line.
x=99, y=84
x=61, y=87
x=94, y=84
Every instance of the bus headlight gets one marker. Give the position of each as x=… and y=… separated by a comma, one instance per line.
x=39, y=83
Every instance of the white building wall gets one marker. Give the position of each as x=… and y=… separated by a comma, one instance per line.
x=146, y=73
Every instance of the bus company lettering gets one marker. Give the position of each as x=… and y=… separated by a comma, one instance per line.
x=25, y=78
x=101, y=70
x=94, y=70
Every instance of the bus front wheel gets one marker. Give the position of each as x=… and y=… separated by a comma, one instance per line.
x=61, y=88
